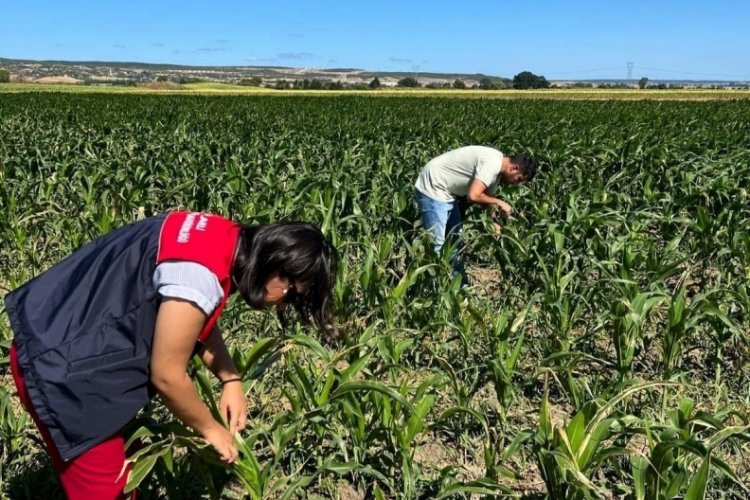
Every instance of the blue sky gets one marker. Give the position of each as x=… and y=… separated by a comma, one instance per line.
x=561, y=40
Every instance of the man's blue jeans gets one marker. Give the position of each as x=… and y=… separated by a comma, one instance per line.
x=443, y=220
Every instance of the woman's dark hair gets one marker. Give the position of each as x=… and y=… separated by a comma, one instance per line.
x=297, y=252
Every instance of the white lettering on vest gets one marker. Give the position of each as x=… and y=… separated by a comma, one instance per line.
x=202, y=223
x=184, y=235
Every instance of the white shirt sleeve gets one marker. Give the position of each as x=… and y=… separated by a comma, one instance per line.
x=189, y=281
x=488, y=169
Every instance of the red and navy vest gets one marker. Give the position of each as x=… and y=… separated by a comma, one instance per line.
x=207, y=239
x=84, y=328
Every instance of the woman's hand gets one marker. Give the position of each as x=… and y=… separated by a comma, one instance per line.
x=233, y=406
x=223, y=442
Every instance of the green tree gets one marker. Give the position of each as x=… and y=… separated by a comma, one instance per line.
x=4, y=76
x=375, y=83
x=458, y=84
x=408, y=82
x=643, y=83
x=161, y=79
x=251, y=82
x=528, y=80
x=486, y=84
x=184, y=80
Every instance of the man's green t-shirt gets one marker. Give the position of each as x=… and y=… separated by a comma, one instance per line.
x=448, y=176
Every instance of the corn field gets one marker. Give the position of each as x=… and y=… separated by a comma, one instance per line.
x=602, y=351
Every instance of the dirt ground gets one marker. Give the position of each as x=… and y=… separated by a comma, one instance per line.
x=485, y=278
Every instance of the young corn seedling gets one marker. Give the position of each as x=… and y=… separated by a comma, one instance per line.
x=570, y=456
x=629, y=316
x=681, y=454
x=502, y=366
x=171, y=451
x=13, y=427
x=268, y=480
x=676, y=330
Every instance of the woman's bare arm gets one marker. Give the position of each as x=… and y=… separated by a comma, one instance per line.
x=178, y=324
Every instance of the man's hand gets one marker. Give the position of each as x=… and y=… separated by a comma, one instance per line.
x=233, y=406
x=223, y=442
x=505, y=209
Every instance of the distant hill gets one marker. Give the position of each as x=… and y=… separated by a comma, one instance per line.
x=125, y=64
x=129, y=71
x=135, y=73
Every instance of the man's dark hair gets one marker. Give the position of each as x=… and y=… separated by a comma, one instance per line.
x=299, y=253
x=526, y=165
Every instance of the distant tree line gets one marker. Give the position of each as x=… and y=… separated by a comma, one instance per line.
x=521, y=81
x=311, y=84
x=524, y=80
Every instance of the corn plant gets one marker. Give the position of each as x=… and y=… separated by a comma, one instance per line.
x=680, y=454
x=569, y=457
x=13, y=425
x=629, y=317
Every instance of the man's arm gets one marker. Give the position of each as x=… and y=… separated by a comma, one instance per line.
x=478, y=194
